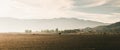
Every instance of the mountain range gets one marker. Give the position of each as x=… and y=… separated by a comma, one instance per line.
x=19, y=25
x=112, y=28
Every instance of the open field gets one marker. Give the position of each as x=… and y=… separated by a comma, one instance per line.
x=59, y=42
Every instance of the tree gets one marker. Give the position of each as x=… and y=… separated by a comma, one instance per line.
x=28, y=31
x=57, y=30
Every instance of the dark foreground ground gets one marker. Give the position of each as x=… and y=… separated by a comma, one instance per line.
x=59, y=42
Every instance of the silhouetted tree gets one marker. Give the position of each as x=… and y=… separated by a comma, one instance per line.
x=56, y=30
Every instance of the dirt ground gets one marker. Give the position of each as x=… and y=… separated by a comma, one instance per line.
x=58, y=42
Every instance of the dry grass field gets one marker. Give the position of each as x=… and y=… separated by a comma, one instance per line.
x=59, y=42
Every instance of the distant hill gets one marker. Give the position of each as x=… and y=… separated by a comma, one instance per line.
x=16, y=25
x=112, y=28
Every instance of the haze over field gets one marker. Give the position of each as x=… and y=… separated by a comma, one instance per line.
x=20, y=25
x=40, y=14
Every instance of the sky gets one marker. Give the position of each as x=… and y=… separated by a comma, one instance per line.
x=107, y=11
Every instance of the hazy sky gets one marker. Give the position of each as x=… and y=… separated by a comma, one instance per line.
x=107, y=11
